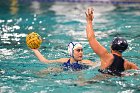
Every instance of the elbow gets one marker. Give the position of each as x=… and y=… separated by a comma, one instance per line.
x=43, y=60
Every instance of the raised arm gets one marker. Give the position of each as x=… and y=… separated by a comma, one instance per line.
x=43, y=59
x=95, y=45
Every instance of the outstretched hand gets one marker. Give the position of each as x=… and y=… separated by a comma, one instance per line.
x=89, y=14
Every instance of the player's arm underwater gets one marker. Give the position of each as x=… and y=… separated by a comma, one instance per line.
x=129, y=65
x=44, y=60
x=90, y=63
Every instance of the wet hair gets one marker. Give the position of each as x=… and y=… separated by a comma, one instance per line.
x=72, y=46
x=119, y=44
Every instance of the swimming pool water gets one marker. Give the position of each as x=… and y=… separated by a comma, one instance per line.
x=58, y=24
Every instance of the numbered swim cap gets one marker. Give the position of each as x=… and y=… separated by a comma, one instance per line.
x=72, y=46
x=119, y=44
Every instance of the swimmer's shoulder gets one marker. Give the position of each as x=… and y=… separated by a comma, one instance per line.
x=130, y=65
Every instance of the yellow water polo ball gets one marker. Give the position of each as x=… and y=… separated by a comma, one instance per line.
x=33, y=40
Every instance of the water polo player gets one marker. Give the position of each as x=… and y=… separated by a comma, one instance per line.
x=75, y=62
x=111, y=63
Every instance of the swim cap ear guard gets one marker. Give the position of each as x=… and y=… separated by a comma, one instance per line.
x=72, y=46
x=119, y=44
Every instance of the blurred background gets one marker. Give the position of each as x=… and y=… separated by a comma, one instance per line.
x=60, y=22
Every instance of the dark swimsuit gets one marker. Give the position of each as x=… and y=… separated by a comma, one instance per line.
x=74, y=66
x=116, y=67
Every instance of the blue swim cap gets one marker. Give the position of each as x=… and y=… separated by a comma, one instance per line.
x=119, y=44
x=72, y=46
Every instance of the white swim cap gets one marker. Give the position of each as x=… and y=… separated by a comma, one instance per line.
x=72, y=46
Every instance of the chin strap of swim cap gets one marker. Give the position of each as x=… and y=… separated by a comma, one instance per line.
x=72, y=46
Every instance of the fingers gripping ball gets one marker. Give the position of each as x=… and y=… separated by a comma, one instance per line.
x=33, y=40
